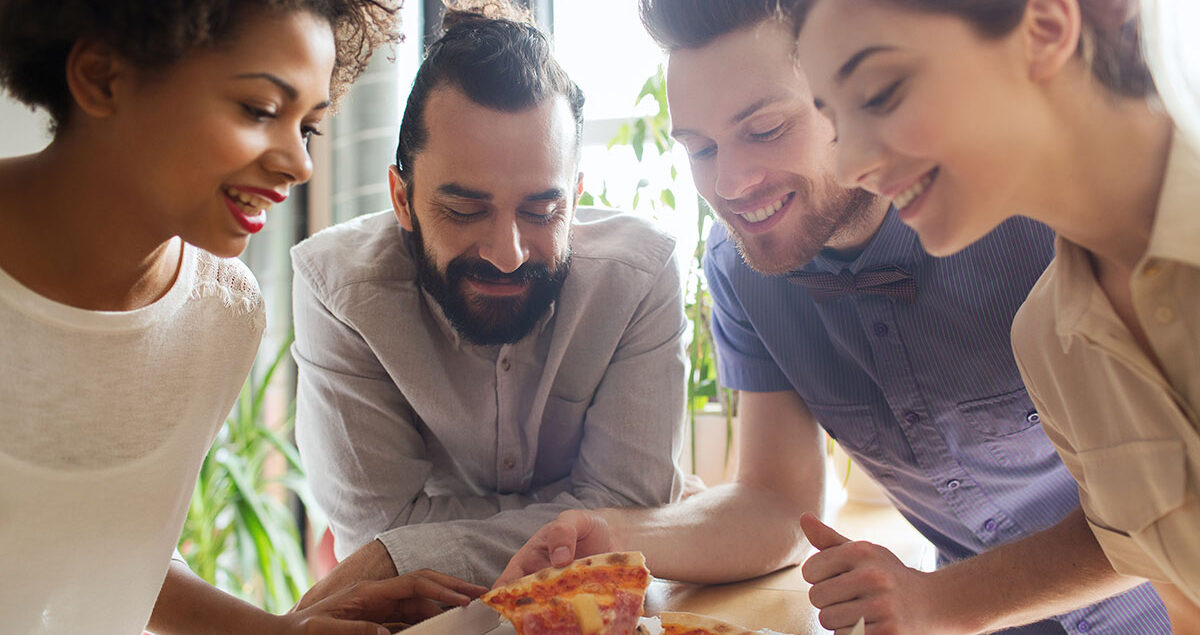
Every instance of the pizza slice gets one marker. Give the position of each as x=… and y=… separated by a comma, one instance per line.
x=597, y=595
x=692, y=624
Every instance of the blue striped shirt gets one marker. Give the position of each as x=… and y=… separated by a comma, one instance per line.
x=926, y=396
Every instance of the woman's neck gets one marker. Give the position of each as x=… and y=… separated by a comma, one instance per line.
x=1105, y=173
x=71, y=236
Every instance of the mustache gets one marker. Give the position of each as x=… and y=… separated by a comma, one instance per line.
x=485, y=271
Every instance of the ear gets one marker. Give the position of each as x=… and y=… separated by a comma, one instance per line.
x=578, y=186
x=93, y=70
x=1052, y=30
x=399, y=192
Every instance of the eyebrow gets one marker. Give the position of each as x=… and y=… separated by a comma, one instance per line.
x=741, y=115
x=855, y=60
x=552, y=194
x=288, y=90
x=462, y=191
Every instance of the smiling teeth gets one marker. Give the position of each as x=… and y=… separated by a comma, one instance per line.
x=907, y=196
x=762, y=214
x=252, y=204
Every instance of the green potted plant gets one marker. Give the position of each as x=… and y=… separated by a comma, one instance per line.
x=241, y=532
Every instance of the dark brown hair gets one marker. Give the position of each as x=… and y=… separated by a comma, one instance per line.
x=1109, y=43
x=498, y=58
x=688, y=24
x=37, y=35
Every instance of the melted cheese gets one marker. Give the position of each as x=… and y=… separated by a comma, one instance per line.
x=588, y=613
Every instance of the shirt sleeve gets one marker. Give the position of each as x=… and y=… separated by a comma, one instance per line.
x=363, y=453
x=743, y=361
x=632, y=434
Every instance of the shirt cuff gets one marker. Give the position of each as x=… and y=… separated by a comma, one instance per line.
x=434, y=546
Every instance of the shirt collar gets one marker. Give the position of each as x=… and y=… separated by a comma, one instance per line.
x=894, y=243
x=1071, y=283
x=1077, y=298
x=1176, y=231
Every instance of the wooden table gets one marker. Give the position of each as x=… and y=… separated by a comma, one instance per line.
x=778, y=601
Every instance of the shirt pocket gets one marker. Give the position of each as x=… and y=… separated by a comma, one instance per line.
x=1126, y=491
x=854, y=429
x=1001, y=415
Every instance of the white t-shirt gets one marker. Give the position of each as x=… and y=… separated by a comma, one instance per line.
x=105, y=418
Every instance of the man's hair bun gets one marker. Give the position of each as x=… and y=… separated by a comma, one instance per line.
x=468, y=13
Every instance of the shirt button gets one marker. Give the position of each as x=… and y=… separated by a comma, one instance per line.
x=881, y=329
x=1084, y=626
x=509, y=463
x=990, y=525
x=1164, y=315
x=1151, y=269
x=504, y=365
x=1034, y=417
x=911, y=417
x=953, y=483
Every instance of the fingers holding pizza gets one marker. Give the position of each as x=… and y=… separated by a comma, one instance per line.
x=595, y=595
x=574, y=534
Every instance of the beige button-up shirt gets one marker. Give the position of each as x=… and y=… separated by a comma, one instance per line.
x=454, y=454
x=1127, y=424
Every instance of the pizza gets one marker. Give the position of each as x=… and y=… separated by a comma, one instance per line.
x=597, y=595
x=692, y=624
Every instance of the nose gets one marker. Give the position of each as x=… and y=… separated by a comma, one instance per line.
x=289, y=157
x=736, y=174
x=503, y=247
x=858, y=159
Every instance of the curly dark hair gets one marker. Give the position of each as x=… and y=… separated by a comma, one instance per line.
x=493, y=52
x=37, y=35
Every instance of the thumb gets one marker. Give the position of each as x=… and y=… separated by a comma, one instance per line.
x=561, y=541
x=819, y=534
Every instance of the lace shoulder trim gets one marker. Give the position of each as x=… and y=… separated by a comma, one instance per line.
x=228, y=279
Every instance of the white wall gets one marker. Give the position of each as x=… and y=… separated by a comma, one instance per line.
x=21, y=130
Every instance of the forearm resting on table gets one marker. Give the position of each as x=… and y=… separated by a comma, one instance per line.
x=722, y=534
x=1049, y=573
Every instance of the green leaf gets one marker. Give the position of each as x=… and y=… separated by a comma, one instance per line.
x=639, y=138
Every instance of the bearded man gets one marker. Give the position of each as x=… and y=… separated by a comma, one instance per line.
x=488, y=355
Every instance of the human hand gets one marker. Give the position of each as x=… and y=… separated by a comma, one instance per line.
x=574, y=534
x=856, y=579
x=371, y=562
x=360, y=608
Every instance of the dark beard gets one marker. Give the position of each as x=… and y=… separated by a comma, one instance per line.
x=842, y=210
x=489, y=321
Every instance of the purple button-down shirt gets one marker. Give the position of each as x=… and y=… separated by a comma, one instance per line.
x=925, y=396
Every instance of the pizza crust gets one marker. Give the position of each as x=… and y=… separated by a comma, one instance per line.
x=702, y=622
x=614, y=559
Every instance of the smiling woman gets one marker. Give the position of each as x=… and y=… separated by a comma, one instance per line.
x=129, y=330
x=965, y=113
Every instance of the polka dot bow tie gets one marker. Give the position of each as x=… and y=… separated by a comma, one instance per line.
x=890, y=281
